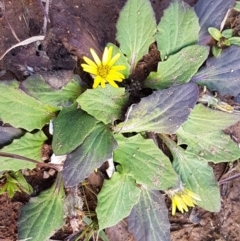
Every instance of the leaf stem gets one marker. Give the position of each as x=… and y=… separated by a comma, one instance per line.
x=18, y=157
x=172, y=146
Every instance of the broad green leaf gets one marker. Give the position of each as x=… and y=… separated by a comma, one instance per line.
x=36, y=87
x=71, y=127
x=116, y=199
x=135, y=29
x=177, y=29
x=178, y=68
x=29, y=146
x=97, y=147
x=164, y=111
x=105, y=104
x=196, y=175
x=121, y=61
x=204, y=120
x=21, y=110
x=43, y=215
x=215, y=33
x=212, y=147
x=148, y=219
x=138, y=155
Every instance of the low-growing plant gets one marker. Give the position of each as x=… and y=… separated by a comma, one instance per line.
x=224, y=39
x=94, y=125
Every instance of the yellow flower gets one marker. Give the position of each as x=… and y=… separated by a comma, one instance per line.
x=182, y=198
x=104, y=71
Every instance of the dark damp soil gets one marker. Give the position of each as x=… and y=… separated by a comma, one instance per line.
x=76, y=25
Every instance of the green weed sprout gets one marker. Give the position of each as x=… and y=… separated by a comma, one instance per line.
x=224, y=39
x=13, y=182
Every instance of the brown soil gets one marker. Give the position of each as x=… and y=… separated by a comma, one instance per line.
x=75, y=26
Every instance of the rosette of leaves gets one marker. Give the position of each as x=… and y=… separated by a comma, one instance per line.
x=92, y=126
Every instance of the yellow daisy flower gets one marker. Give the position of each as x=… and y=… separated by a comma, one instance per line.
x=104, y=71
x=182, y=198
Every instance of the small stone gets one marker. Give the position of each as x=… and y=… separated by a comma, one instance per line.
x=45, y=175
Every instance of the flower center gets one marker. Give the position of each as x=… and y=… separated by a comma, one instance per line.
x=103, y=71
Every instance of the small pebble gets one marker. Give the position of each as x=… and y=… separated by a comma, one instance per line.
x=45, y=175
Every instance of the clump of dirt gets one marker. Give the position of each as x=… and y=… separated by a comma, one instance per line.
x=9, y=213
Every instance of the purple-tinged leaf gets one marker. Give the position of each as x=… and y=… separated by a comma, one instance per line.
x=164, y=111
x=96, y=148
x=149, y=218
x=222, y=74
x=211, y=13
x=7, y=134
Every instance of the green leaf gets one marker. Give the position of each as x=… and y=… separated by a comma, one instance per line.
x=15, y=181
x=216, y=51
x=212, y=147
x=21, y=110
x=227, y=33
x=215, y=33
x=237, y=6
x=164, y=111
x=23, y=184
x=196, y=175
x=105, y=104
x=42, y=215
x=36, y=87
x=135, y=29
x=97, y=147
x=121, y=61
x=204, y=120
x=178, y=68
x=29, y=146
x=138, y=155
x=177, y=29
x=71, y=127
x=116, y=199
x=234, y=41
x=149, y=217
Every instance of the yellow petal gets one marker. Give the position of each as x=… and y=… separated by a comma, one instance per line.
x=112, y=83
x=107, y=55
x=118, y=67
x=180, y=204
x=174, y=205
x=89, y=69
x=114, y=59
x=89, y=62
x=103, y=83
x=97, y=81
x=95, y=57
x=188, y=200
x=114, y=78
x=117, y=74
x=192, y=194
